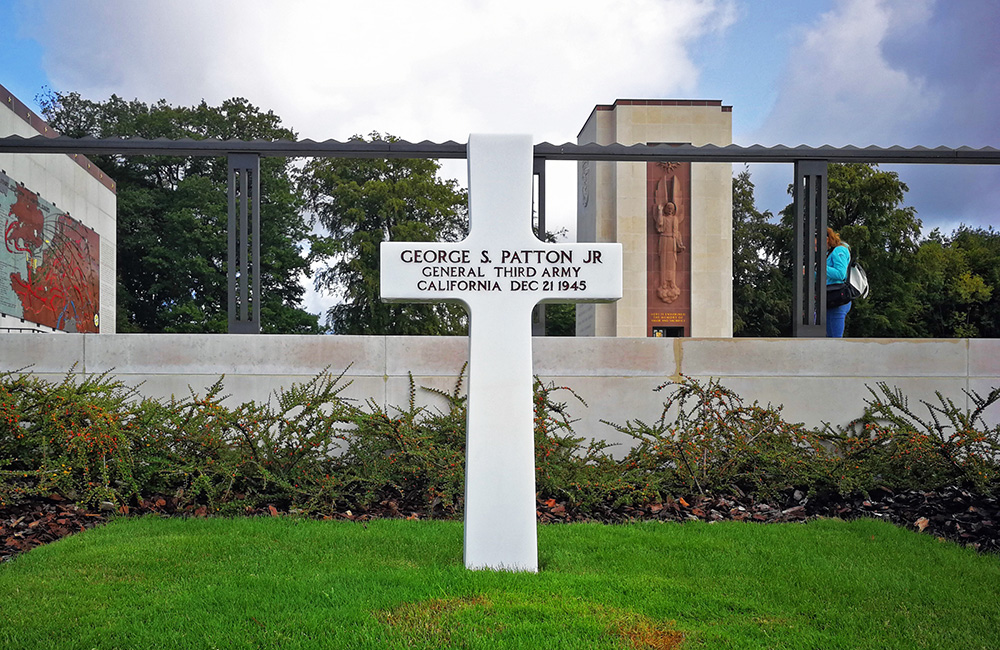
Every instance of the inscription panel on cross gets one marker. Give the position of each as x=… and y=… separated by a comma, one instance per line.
x=435, y=272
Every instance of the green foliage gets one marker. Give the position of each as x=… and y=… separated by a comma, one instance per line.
x=410, y=456
x=363, y=202
x=707, y=439
x=981, y=250
x=287, y=451
x=311, y=450
x=280, y=451
x=959, y=276
x=865, y=207
x=935, y=287
x=940, y=286
x=96, y=441
x=560, y=319
x=566, y=468
x=172, y=214
x=952, y=445
x=69, y=438
x=762, y=292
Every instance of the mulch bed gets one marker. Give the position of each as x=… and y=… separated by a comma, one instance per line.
x=954, y=514
x=26, y=526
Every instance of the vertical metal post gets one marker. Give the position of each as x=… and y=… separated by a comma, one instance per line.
x=538, y=313
x=244, y=244
x=809, y=297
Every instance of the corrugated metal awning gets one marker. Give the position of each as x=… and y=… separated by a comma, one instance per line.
x=545, y=150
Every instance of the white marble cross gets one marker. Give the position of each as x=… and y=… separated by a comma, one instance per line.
x=500, y=272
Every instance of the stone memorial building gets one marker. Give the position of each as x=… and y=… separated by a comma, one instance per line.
x=673, y=219
x=58, y=219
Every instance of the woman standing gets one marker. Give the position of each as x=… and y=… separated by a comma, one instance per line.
x=838, y=258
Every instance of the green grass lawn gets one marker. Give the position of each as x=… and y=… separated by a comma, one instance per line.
x=288, y=583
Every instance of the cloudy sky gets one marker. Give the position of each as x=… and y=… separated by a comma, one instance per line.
x=839, y=72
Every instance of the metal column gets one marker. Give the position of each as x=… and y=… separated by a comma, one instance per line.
x=244, y=244
x=809, y=297
x=538, y=313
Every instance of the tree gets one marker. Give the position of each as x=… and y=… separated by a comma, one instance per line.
x=560, y=317
x=172, y=215
x=958, y=277
x=762, y=291
x=865, y=207
x=981, y=249
x=363, y=202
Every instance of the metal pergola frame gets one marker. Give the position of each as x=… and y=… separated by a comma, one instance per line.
x=809, y=190
x=545, y=150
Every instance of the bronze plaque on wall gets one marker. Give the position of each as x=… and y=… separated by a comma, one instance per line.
x=668, y=249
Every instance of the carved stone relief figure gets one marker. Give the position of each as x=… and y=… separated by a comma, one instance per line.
x=667, y=218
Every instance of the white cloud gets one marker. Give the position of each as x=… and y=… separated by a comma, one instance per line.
x=893, y=72
x=420, y=70
x=841, y=89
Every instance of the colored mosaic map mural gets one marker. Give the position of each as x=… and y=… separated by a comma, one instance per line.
x=50, y=264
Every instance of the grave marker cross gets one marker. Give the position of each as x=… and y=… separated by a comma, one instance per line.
x=500, y=272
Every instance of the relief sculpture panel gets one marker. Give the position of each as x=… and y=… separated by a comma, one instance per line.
x=50, y=270
x=668, y=300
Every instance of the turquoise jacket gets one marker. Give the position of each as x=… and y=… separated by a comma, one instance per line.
x=837, y=262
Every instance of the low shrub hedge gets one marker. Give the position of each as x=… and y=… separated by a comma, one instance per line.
x=309, y=449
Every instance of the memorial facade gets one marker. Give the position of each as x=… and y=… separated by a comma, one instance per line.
x=58, y=216
x=673, y=219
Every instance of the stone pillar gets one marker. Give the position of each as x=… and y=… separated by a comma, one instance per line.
x=617, y=203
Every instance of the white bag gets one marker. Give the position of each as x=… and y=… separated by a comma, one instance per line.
x=857, y=280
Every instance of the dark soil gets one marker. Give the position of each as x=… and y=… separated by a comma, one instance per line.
x=953, y=514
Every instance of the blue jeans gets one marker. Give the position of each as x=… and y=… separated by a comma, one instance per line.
x=835, y=320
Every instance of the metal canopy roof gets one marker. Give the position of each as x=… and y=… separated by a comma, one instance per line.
x=545, y=150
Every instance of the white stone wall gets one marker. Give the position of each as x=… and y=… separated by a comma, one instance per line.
x=60, y=180
x=594, y=204
x=618, y=212
x=816, y=380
